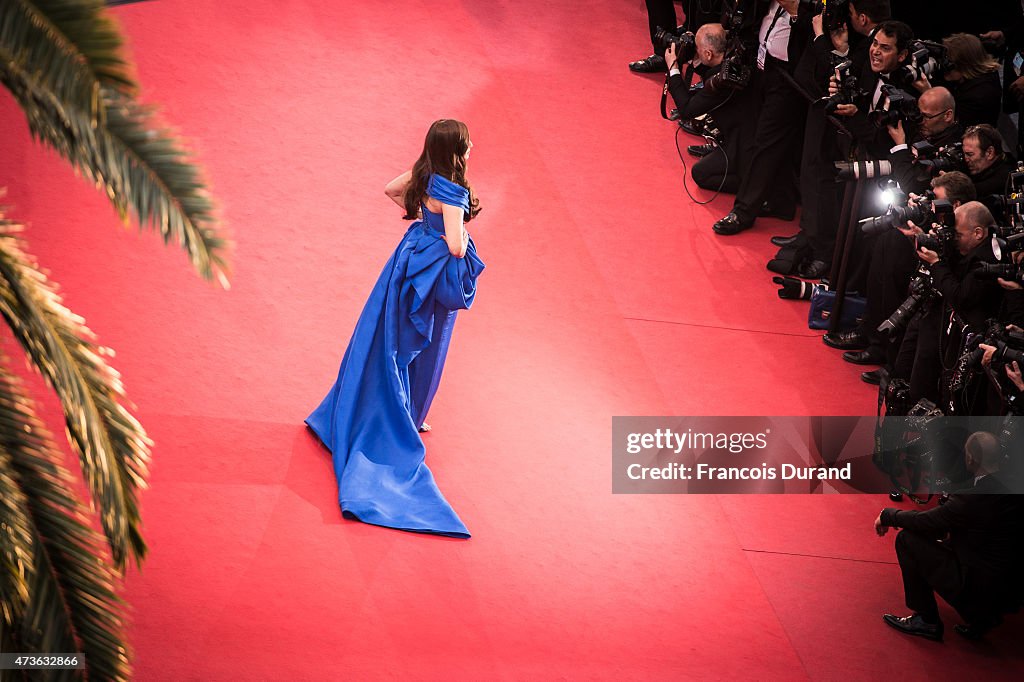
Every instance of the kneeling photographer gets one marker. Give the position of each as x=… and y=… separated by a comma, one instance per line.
x=950, y=296
x=721, y=169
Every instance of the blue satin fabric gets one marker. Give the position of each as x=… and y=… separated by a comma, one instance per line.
x=391, y=368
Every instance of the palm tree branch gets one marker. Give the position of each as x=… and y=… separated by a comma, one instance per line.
x=112, y=445
x=72, y=603
x=72, y=46
x=138, y=167
x=149, y=166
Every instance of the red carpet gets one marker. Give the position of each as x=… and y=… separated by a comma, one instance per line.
x=606, y=294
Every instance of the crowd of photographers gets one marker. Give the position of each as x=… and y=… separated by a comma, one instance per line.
x=853, y=100
x=833, y=105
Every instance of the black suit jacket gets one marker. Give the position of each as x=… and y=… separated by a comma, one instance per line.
x=729, y=108
x=985, y=527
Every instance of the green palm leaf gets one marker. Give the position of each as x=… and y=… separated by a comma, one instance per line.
x=72, y=47
x=70, y=604
x=112, y=445
x=141, y=167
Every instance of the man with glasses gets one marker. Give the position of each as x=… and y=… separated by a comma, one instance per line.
x=938, y=127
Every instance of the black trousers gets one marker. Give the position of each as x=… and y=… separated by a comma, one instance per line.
x=660, y=13
x=919, y=360
x=891, y=267
x=711, y=172
x=777, y=140
x=928, y=567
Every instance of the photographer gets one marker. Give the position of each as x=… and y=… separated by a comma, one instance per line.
x=723, y=167
x=987, y=165
x=662, y=14
x=810, y=252
x=780, y=118
x=960, y=291
x=938, y=127
x=976, y=566
x=1009, y=381
x=893, y=263
x=887, y=52
x=974, y=80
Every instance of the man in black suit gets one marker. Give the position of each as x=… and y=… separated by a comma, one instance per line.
x=722, y=169
x=781, y=36
x=967, y=550
x=987, y=164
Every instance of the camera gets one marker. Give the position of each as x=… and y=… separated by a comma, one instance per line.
x=921, y=292
x=686, y=46
x=733, y=75
x=847, y=84
x=1008, y=271
x=732, y=17
x=1009, y=208
x=923, y=213
x=834, y=12
x=940, y=159
x=897, y=105
x=926, y=58
x=855, y=170
x=1009, y=346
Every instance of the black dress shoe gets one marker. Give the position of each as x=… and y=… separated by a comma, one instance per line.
x=915, y=625
x=731, y=224
x=862, y=357
x=653, y=64
x=673, y=115
x=766, y=210
x=845, y=340
x=874, y=377
x=700, y=150
x=975, y=631
x=692, y=126
x=785, y=241
x=812, y=269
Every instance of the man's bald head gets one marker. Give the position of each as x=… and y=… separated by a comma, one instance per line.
x=711, y=37
x=938, y=111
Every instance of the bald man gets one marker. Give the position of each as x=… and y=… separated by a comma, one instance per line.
x=939, y=127
x=929, y=336
x=976, y=568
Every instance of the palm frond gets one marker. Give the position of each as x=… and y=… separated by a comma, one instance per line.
x=112, y=445
x=70, y=603
x=15, y=525
x=71, y=47
x=142, y=168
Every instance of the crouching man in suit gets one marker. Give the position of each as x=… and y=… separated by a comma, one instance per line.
x=967, y=550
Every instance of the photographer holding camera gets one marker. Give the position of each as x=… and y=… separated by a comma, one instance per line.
x=938, y=127
x=779, y=123
x=887, y=52
x=722, y=168
x=960, y=291
x=662, y=14
x=967, y=550
x=893, y=263
x=987, y=165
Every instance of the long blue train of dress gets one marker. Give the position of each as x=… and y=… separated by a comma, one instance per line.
x=389, y=374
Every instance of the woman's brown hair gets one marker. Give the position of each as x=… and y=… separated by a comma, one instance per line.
x=444, y=153
x=968, y=55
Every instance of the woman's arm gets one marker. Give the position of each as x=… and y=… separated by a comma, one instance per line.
x=396, y=188
x=454, y=231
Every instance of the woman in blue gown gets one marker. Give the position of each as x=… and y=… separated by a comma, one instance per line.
x=371, y=417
